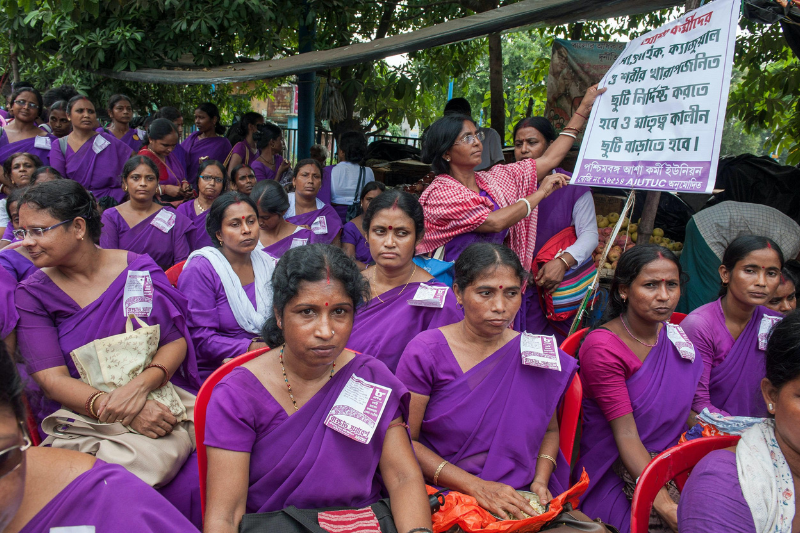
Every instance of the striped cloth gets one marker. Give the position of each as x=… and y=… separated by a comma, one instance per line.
x=349, y=521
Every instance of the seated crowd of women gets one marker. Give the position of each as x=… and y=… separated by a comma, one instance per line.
x=370, y=371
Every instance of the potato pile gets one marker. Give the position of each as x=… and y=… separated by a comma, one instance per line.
x=626, y=238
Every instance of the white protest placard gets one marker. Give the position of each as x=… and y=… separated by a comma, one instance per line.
x=659, y=125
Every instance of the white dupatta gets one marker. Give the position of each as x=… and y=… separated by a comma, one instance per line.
x=765, y=478
x=249, y=319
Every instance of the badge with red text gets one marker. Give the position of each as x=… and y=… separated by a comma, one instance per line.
x=429, y=296
x=539, y=351
x=320, y=226
x=358, y=409
x=298, y=242
x=765, y=330
x=164, y=220
x=137, y=298
x=681, y=341
x=99, y=143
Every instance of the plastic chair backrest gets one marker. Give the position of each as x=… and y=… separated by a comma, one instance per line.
x=30, y=423
x=677, y=318
x=573, y=342
x=200, y=414
x=174, y=272
x=569, y=416
x=670, y=464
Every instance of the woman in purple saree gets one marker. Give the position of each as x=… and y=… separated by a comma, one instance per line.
x=354, y=241
x=270, y=164
x=469, y=383
x=305, y=209
x=45, y=488
x=121, y=112
x=243, y=179
x=269, y=447
x=244, y=149
x=276, y=234
x=94, y=160
x=731, y=333
x=23, y=135
x=85, y=294
x=405, y=300
x=639, y=375
x=205, y=143
x=212, y=180
x=161, y=146
x=140, y=225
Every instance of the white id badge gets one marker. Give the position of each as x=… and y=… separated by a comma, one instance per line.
x=73, y=529
x=99, y=143
x=164, y=220
x=138, y=296
x=681, y=341
x=429, y=296
x=320, y=225
x=539, y=351
x=765, y=329
x=42, y=143
x=298, y=242
x=358, y=409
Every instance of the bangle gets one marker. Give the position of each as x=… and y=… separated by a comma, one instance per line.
x=88, y=403
x=571, y=128
x=527, y=203
x=565, y=261
x=397, y=425
x=568, y=134
x=584, y=117
x=438, y=471
x=544, y=456
x=420, y=530
x=91, y=401
x=159, y=190
x=160, y=367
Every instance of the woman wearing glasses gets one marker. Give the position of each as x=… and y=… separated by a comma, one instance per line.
x=23, y=134
x=43, y=488
x=463, y=206
x=212, y=180
x=141, y=225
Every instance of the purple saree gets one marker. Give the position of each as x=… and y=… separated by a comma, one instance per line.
x=660, y=392
x=459, y=243
x=8, y=311
x=331, y=219
x=134, y=138
x=324, y=193
x=474, y=419
x=39, y=146
x=99, y=172
x=18, y=265
x=351, y=235
x=263, y=172
x=166, y=249
x=247, y=154
x=215, y=332
x=384, y=328
x=198, y=150
x=294, y=459
x=198, y=236
x=301, y=237
x=105, y=497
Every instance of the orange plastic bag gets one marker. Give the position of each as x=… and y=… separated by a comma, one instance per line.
x=464, y=511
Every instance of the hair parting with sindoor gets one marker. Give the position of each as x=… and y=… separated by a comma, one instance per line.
x=406, y=202
x=482, y=257
x=216, y=213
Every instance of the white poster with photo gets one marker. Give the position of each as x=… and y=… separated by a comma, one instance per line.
x=659, y=125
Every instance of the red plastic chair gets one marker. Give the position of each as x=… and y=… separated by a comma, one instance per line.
x=569, y=416
x=174, y=272
x=677, y=318
x=200, y=414
x=573, y=342
x=674, y=463
x=30, y=423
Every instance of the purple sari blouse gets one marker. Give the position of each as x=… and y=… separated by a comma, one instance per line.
x=16, y=264
x=475, y=419
x=8, y=310
x=384, y=328
x=52, y=324
x=295, y=459
x=103, y=498
x=351, y=235
x=332, y=221
x=198, y=236
x=660, y=392
x=39, y=146
x=100, y=173
x=166, y=249
x=198, y=150
x=301, y=237
x=134, y=138
x=245, y=152
x=263, y=172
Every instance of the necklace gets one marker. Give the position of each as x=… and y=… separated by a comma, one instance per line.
x=283, y=368
x=378, y=296
x=200, y=206
x=622, y=319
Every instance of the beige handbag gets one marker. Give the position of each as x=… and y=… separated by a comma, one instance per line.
x=107, y=364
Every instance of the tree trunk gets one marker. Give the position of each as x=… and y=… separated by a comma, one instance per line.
x=14, y=60
x=577, y=30
x=498, y=113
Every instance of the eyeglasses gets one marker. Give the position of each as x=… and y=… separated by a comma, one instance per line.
x=470, y=138
x=209, y=178
x=24, y=103
x=11, y=458
x=36, y=233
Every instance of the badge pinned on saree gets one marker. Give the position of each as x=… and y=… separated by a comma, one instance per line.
x=164, y=220
x=358, y=409
x=298, y=242
x=540, y=351
x=99, y=143
x=138, y=296
x=681, y=341
x=765, y=330
x=72, y=529
x=42, y=142
x=320, y=225
x=429, y=296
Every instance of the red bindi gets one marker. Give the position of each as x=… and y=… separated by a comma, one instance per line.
x=326, y=304
x=390, y=227
x=501, y=286
x=663, y=280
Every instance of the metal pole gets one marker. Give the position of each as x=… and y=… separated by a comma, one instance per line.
x=306, y=86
